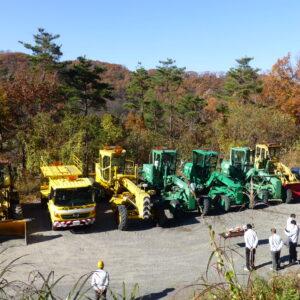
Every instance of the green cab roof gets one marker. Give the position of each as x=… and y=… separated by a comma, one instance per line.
x=241, y=148
x=206, y=152
x=171, y=151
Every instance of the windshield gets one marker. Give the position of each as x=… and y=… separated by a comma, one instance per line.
x=211, y=160
x=197, y=159
x=4, y=171
x=237, y=157
x=274, y=152
x=118, y=161
x=73, y=197
x=168, y=160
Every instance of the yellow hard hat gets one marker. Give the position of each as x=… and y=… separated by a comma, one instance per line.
x=100, y=264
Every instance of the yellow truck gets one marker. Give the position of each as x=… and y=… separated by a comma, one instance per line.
x=70, y=198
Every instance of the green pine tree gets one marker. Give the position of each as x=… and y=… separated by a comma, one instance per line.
x=84, y=87
x=167, y=80
x=136, y=90
x=45, y=53
x=242, y=83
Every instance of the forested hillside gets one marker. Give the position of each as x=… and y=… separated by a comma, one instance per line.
x=54, y=108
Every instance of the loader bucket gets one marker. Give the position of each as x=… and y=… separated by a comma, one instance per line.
x=13, y=229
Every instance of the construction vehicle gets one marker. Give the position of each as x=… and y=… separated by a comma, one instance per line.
x=117, y=177
x=70, y=198
x=198, y=188
x=212, y=188
x=240, y=167
x=11, y=214
x=267, y=157
x=174, y=192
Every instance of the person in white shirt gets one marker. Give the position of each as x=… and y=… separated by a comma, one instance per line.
x=276, y=245
x=251, y=242
x=292, y=234
x=288, y=222
x=100, y=281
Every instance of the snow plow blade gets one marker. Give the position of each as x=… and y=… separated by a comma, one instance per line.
x=10, y=229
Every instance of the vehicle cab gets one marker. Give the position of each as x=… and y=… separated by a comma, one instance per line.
x=70, y=199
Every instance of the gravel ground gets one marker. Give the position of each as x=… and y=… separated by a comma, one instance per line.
x=163, y=261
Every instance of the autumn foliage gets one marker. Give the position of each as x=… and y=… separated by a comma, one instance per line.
x=54, y=108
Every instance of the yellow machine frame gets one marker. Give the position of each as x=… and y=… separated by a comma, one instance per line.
x=265, y=158
x=119, y=178
x=262, y=156
x=17, y=225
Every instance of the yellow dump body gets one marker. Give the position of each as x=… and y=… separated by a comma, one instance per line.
x=60, y=171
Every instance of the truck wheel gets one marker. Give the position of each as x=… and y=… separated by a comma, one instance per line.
x=288, y=196
x=44, y=202
x=122, y=217
x=206, y=206
x=265, y=196
x=161, y=218
x=226, y=202
x=17, y=212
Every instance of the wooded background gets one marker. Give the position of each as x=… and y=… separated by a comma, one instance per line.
x=55, y=108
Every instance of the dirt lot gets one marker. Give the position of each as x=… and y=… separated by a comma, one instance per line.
x=161, y=260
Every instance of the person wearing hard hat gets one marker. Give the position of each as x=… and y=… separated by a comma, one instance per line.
x=100, y=281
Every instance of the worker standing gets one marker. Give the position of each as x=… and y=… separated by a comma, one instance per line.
x=289, y=220
x=292, y=232
x=100, y=281
x=276, y=244
x=251, y=242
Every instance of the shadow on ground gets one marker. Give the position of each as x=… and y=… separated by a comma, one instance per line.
x=156, y=296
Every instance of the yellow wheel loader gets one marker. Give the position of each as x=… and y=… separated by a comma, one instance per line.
x=117, y=177
x=70, y=198
x=267, y=157
x=11, y=214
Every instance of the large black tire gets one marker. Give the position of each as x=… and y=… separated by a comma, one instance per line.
x=226, y=200
x=265, y=196
x=206, y=206
x=44, y=202
x=122, y=217
x=288, y=196
x=160, y=217
x=14, y=197
x=16, y=212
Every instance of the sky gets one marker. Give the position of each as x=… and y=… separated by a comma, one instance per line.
x=201, y=35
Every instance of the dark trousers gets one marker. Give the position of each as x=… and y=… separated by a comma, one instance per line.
x=275, y=259
x=100, y=296
x=293, y=252
x=250, y=258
